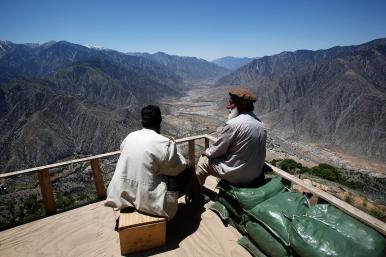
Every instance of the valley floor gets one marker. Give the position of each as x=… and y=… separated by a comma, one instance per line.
x=202, y=110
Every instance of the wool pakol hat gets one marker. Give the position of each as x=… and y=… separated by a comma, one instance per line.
x=243, y=93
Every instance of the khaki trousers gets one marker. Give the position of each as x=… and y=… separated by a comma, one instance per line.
x=204, y=169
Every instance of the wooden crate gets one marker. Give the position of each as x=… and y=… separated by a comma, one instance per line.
x=138, y=232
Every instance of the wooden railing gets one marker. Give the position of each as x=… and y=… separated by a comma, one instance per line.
x=45, y=178
x=316, y=194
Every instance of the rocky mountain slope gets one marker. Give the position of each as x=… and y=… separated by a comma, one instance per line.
x=335, y=97
x=61, y=99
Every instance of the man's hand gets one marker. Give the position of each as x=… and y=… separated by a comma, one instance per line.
x=203, y=153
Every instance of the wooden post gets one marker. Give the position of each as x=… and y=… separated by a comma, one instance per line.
x=46, y=191
x=191, y=152
x=206, y=143
x=98, y=179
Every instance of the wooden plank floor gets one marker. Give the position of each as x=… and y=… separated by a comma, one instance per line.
x=89, y=231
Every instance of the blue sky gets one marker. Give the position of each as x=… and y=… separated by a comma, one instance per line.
x=205, y=29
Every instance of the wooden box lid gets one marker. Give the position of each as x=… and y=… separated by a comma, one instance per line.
x=134, y=218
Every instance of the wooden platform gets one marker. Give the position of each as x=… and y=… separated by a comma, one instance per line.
x=89, y=231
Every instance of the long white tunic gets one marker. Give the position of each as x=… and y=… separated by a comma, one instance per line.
x=140, y=177
x=239, y=153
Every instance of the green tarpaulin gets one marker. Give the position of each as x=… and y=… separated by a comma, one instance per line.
x=250, y=197
x=267, y=242
x=252, y=249
x=276, y=222
x=325, y=230
x=274, y=212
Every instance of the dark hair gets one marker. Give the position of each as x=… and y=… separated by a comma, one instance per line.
x=151, y=116
x=249, y=106
x=246, y=105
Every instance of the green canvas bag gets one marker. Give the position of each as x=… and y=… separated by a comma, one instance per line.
x=250, y=197
x=251, y=248
x=265, y=240
x=274, y=213
x=325, y=230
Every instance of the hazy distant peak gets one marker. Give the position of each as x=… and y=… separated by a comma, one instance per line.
x=32, y=45
x=138, y=53
x=232, y=63
x=63, y=42
x=96, y=47
x=232, y=57
x=66, y=45
x=5, y=46
x=48, y=43
x=161, y=53
x=5, y=42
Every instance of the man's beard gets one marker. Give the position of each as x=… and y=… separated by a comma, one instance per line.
x=233, y=113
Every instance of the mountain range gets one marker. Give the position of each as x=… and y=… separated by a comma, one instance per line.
x=335, y=97
x=60, y=99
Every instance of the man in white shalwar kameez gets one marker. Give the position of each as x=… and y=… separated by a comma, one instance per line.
x=148, y=160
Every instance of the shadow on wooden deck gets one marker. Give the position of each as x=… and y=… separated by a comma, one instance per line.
x=184, y=224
